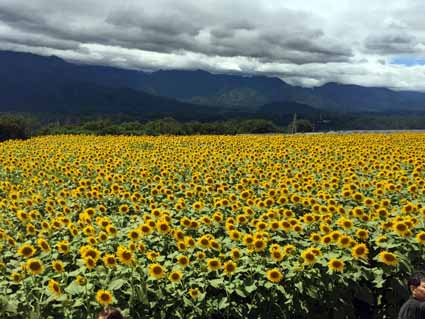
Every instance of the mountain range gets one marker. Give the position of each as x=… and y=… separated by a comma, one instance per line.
x=34, y=83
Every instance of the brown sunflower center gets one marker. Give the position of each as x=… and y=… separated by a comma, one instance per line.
x=35, y=266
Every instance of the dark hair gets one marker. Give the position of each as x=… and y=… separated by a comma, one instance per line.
x=416, y=278
x=110, y=313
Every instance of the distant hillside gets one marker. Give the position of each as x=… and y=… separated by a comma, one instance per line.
x=355, y=98
x=30, y=81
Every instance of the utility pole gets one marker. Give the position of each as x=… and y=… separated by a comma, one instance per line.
x=294, y=124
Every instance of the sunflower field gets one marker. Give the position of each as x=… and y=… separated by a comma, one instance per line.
x=302, y=226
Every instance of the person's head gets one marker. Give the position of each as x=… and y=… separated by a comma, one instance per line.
x=110, y=313
x=416, y=284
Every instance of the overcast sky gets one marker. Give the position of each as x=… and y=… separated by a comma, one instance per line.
x=304, y=42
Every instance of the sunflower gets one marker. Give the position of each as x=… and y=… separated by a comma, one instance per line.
x=308, y=257
x=194, y=224
x=261, y=226
x=274, y=275
x=145, y=229
x=156, y=271
x=26, y=250
x=90, y=263
x=178, y=234
x=315, y=237
x=63, y=247
x=242, y=218
x=123, y=209
x=175, y=276
x=289, y=249
x=358, y=196
x=235, y=235
x=89, y=251
x=347, y=223
x=388, y=258
x=420, y=237
x=183, y=261
x=102, y=236
x=327, y=239
x=152, y=255
x=277, y=255
x=141, y=246
x=81, y=280
x=316, y=251
x=91, y=240
x=54, y=287
x=194, y=293
x=213, y=264
x=34, y=266
x=363, y=234
x=335, y=235
x=248, y=239
x=325, y=228
x=204, y=241
x=400, y=228
x=215, y=244
x=181, y=245
x=197, y=205
x=15, y=276
x=31, y=230
x=259, y=244
x=58, y=266
x=104, y=297
x=109, y=260
x=229, y=267
x=111, y=230
x=344, y=241
x=383, y=239
x=184, y=221
x=132, y=246
x=297, y=228
x=336, y=265
x=235, y=254
x=73, y=230
x=360, y=251
x=125, y=256
x=163, y=227
x=11, y=241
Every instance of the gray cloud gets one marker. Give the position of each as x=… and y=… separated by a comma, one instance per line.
x=187, y=27
x=305, y=43
x=394, y=43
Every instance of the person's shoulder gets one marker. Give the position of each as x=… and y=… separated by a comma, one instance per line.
x=416, y=304
x=409, y=309
x=412, y=301
x=421, y=304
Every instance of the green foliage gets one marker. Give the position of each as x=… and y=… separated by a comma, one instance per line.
x=16, y=126
x=165, y=126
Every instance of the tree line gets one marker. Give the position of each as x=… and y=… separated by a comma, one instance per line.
x=25, y=125
x=21, y=126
